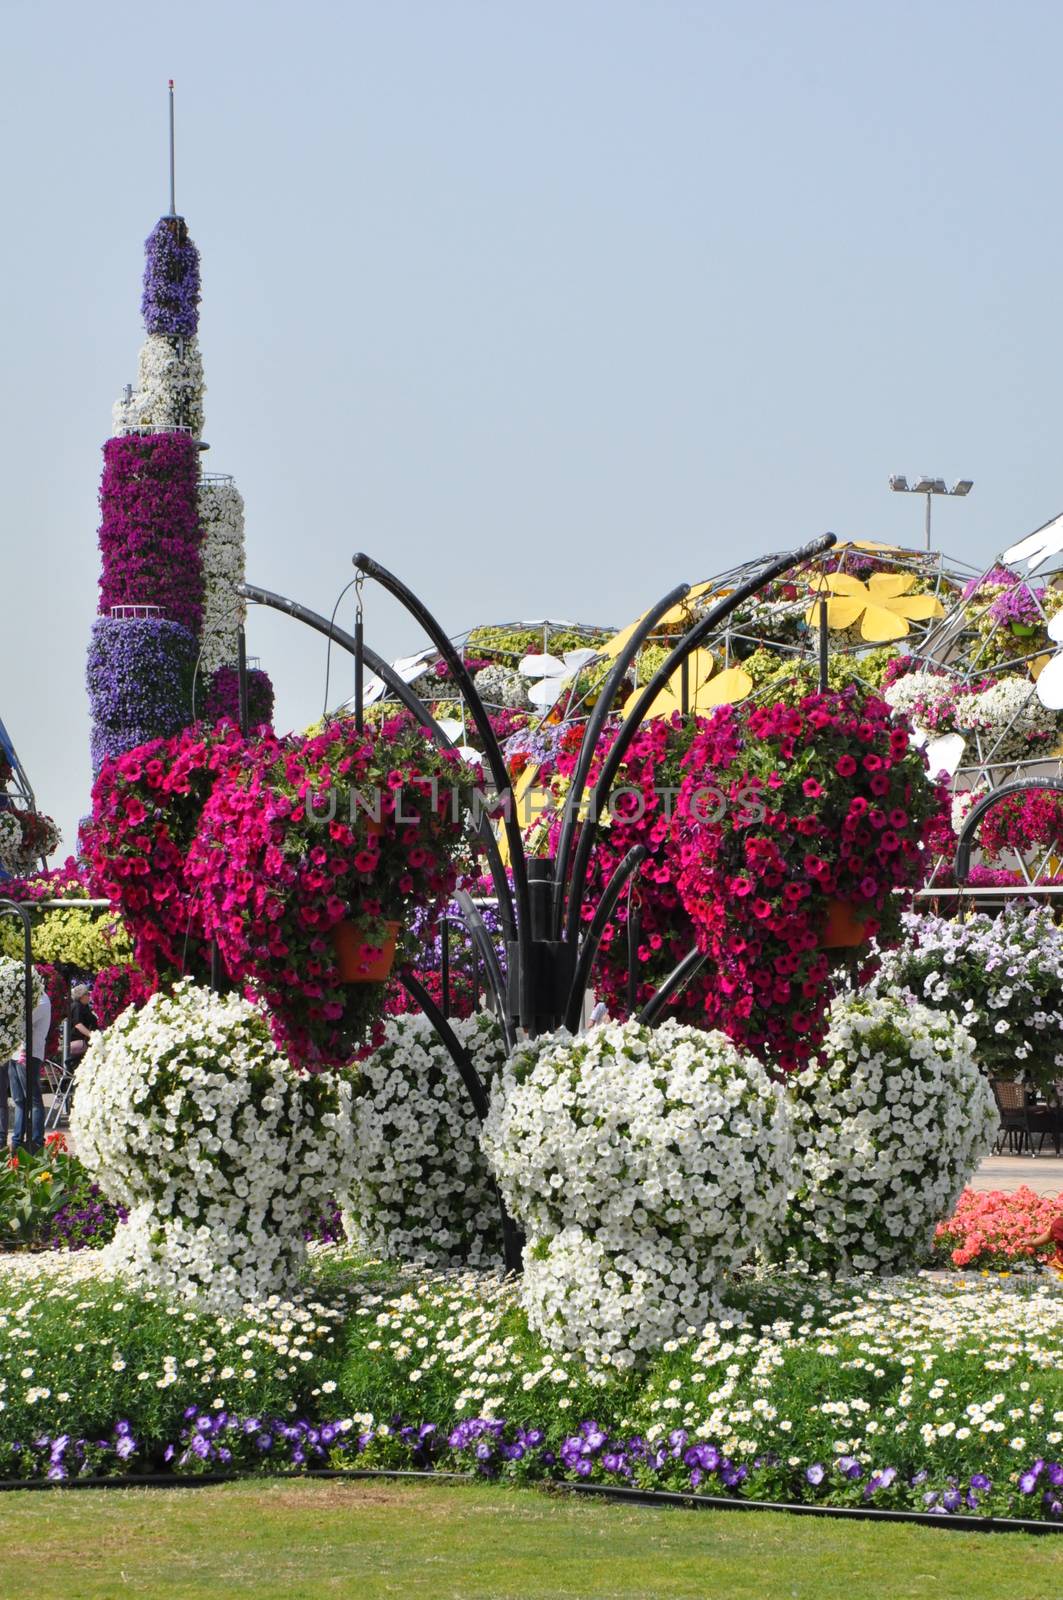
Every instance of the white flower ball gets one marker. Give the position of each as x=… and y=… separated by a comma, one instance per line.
x=502, y=686
x=890, y=1121
x=422, y=1188
x=187, y=1115
x=626, y=1149
x=13, y=1005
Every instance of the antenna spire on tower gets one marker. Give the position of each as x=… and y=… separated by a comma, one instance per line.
x=173, y=202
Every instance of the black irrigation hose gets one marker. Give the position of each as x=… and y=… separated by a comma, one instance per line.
x=708, y=1502
x=604, y=1491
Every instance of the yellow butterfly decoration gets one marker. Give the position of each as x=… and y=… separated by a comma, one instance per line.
x=704, y=690
x=680, y=616
x=883, y=605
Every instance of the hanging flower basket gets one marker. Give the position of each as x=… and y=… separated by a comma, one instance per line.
x=1023, y=630
x=845, y=928
x=284, y=853
x=358, y=960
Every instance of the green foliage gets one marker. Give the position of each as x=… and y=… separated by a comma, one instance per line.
x=87, y=940
x=48, y=1200
x=789, y=678
x=104, y=1350
x=512, y=643
x=799, y=1371
x=32, y=1189
x=650, y=658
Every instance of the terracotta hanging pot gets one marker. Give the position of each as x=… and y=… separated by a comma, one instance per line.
x=353, y=961
x=845, y=928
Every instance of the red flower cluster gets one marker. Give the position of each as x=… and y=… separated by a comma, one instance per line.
x=822, y=801
x=255, y=845
x=149, y=533
x=275, y=867
x=146, y=807
x=995, y=1231
x=115, y=988
x=1022, y=822
x=652, y=768
x=58, y=991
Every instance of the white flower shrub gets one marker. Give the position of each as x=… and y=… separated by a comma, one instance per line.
x=502, y=686
x=169, y=388
x=890, y=1121
x=10, y=841
x=13, y=1007
x=221, y=519
x=1008, y=717
x=924, y=697
x=422, y=1188
x=1011, y=720
x=643, y=1164
x=16, y=858
x=186, y=1114
x=962, y=801
x=1000, y=976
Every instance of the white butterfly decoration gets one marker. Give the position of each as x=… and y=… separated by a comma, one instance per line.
x=1050, y=678
x=552, y=675
x=408, y=668
x=942, y=755
x=1038, y=547
x=453, y=729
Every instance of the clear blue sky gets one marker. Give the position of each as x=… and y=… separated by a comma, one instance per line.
x=550, y=306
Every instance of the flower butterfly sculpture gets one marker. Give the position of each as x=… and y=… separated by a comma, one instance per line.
x=884, y=606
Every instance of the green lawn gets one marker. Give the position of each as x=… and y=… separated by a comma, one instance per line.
x=300, y=1540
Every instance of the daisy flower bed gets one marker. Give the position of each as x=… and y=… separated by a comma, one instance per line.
x=882, y=1393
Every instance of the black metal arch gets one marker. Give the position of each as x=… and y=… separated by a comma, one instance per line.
x=549, y=957
x=965, y=841
x=10, y=908
x=548, y=962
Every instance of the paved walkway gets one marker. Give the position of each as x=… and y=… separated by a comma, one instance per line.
x=1043, y=1174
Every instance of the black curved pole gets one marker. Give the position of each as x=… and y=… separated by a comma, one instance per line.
x=455, y=1049
x=477, y=929
x=495, y=760
x=677, y=979
x=11, y=908
x=965, y=841
x=241, y=668
x=512, y=1244
x=592, y=732
x=633, y=720
x=593, y=937
x=402, y=692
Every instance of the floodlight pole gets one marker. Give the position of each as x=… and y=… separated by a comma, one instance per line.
x=930, y=487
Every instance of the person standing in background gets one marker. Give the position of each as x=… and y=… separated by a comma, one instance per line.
x=83, y=1023
x=25, y=1081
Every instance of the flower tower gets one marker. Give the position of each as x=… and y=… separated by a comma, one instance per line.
x=164, y=646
